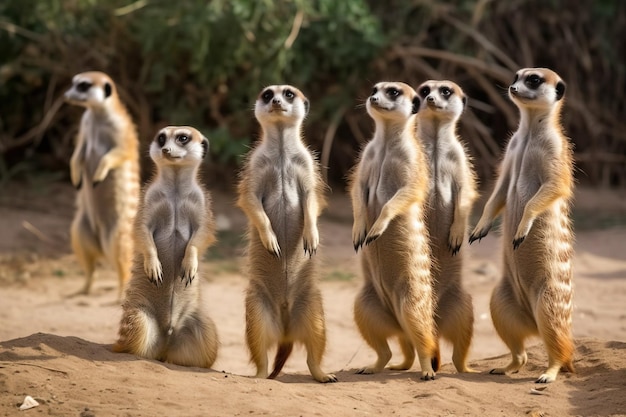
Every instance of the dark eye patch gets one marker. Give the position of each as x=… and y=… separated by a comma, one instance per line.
x=446, y=92
x=424, y=91
x=393, y=92
x=161, y=139
x=374, y=90
x=533, y=81
x=289, y=95
x=182, y=139
x=267, y=96
x=515, y=79
x=83, y=86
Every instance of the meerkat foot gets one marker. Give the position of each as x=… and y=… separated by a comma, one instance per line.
x=428, y=375
x=518, y=241
x=326, y=378
x=368, y=370
x=467, y=370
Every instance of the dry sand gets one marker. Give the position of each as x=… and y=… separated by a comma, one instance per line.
x=56, y=349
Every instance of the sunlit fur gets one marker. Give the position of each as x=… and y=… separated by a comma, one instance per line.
x=389, y=188
x=452, y=194
x=282, y=194
x=105, y=169
x=533, y=190
x=164, y=316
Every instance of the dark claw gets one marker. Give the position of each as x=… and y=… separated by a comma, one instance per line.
x=541, y=381
x=371, y=239
x=518, y=242
x=454, y=249
x=478, y=237
x=360, y=371
x=428, y=378
x=95, y=183
x=331, y=380
x=492, y=372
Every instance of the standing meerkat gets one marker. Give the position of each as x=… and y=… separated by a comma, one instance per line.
x=164, y=316
x=452, y=193
x=534, y=189
x=389, y=188
x=105, y=169
x=282, y=194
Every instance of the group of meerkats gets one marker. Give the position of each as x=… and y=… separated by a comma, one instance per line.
x=412, y=192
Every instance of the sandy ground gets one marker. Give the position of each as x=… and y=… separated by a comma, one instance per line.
x=56, y=349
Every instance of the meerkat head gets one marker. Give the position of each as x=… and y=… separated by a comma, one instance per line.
x=91, y=89
x=281, y=103
x=441, y=99
x=392, y=101
x=178, y=145
x=536, y=87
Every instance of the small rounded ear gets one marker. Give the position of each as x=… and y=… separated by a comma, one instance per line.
x=306, y=106
x=205, y=146
x=560, y=90
x=108, y=90
x=416, y=105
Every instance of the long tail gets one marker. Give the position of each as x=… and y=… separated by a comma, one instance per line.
x=282, y=354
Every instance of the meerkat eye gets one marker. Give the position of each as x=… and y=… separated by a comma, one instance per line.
x=161, y=139
x=424, y=91
x=289, y=94
x=83, y=86
x=393, y=92
x=533, y=81
x=183, y=139
x=374, y=91
x=445, y=91
x=267, y=96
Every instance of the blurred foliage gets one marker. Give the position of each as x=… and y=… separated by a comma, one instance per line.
x=203, y=63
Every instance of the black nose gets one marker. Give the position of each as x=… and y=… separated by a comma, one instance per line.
x=374, y=99
x=166, y=150
x=513, y=89
x=276, y=101
x=430, y=99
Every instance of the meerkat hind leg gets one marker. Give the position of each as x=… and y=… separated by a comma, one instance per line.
x=456, y=324
x=376, y=325
x=87, y=249
x=310, y=319
x=139, y=334
x=261, y=332
x=512, y=325
x=408, y=350
x=558, y=341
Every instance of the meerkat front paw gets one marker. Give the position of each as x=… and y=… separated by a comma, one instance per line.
x=189, y=268
x=101, y=171
x=270, y=242
x=76, y=176
x=359, y=232
x=455, y=240
x=310, y=240
x=378, y=228
x=153, y=269
x=522, y=232
x=480, y=231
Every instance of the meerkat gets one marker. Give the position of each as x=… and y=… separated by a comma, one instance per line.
x=452, y=192
x=282, y=194
x=105, y=169
x=389, y=188
x=534, y=190
x=164, y=317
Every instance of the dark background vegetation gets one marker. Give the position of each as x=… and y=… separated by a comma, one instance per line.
x=203, y=63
